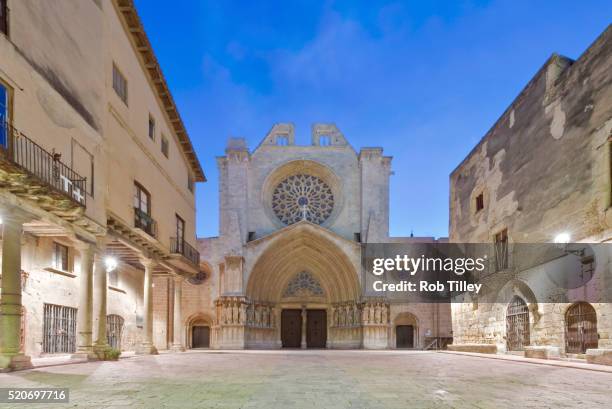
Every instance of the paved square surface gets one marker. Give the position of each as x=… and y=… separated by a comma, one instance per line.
x=318, y=379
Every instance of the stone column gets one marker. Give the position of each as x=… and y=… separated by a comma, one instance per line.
x=303, y=345
x=11, y=357
x=100, y=291
x=147, y=347
x=85, y=310
x=177, y=337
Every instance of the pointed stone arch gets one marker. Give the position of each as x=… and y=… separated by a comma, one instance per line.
x=304, y=247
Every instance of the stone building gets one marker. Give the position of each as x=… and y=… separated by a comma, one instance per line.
x=541, y=174
x=286, y=268
x=97, y=179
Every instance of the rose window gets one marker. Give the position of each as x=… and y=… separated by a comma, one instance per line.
x=302, y=197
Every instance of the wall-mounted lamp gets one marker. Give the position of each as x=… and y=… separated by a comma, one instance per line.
x=562, y=240
x=110, y=263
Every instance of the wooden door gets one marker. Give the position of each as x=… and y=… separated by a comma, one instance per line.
x=404, y=336
x=291, y=328
x=316, y=328
x=200, y=337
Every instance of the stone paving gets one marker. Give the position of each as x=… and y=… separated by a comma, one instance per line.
x=317, y=379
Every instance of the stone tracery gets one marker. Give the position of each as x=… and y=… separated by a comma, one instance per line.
x=301, y=197
x=303, y=284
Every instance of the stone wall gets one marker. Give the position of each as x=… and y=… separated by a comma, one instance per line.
x=542, y=169
x=544, y=166
x=44, y=284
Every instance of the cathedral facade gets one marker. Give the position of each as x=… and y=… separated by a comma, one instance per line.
x=286, y=268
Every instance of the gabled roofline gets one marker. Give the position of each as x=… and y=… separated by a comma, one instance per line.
x=297, y=225
x=135, y=30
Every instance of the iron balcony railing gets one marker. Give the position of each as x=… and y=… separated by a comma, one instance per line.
x=180, y=246
x=144, y=221
x=45, y=166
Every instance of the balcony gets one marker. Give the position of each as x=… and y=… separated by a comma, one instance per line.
x=45, y=174
x=145, y=222
x=180, y=246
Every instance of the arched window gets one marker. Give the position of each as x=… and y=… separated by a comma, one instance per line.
x=580, y=328
x=517, y=324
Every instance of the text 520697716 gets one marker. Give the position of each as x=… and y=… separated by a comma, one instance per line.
x=34, y=395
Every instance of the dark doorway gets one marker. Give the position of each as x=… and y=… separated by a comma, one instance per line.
x=291, y=328
x=580, y=328
x=316, y=328
x=404, y=336
x=517, y=325
x=200, y=337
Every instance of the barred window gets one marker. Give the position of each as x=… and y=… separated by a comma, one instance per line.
x=59, y=329
x=501, y=250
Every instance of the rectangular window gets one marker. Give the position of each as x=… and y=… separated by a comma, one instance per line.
x=501, y=250
x=190, y=182
x=479, y=202
x=120, y=84
x=164, y=146
x=4, y=115
x=60, y=257
x=142, y=210
x=59, y=329
x=142, y=199
x=151, y=128
x=4, y=23
x=180, y=233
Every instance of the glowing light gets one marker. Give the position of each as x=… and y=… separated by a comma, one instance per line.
x=110, y=263
x=562, y=238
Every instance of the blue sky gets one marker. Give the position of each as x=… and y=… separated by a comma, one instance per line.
x=423, y=79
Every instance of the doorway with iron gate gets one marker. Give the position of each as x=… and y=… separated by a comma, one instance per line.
x=580, y=328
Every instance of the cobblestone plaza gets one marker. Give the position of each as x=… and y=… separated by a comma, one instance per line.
x=318, y=379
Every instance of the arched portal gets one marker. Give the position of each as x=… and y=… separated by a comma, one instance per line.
x=580, y=328
x=304, y=271
x=406, y=330
x=517, y=324
x=199, y=331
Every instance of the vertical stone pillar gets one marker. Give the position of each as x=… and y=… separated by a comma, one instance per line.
x=147, y=347
x=100, y=290
x=177, y=337
x=85, y=310
x=303, y=344
x=11, y=357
